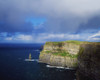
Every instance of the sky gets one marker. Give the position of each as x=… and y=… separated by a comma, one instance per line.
x=38, y=21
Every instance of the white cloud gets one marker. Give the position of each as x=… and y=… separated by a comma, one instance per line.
x=56, y=37
x=20, y=37
x=23, y=37
x=94, y=37
x=43, y=37
x=9, y=38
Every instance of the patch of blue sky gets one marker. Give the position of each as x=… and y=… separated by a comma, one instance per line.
x=36, y=21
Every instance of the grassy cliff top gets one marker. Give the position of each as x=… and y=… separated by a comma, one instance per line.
x=69, y=41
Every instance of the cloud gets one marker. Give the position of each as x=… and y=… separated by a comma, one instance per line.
x=19, y=37
x=23, y=37
x=59, y=36
x=43, y=37
x=62, y=15
x=49, y=20
x=94, y=37
x=9, y=38
x=40, y=38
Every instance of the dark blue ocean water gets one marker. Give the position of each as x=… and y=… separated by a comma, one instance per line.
x=14, y=67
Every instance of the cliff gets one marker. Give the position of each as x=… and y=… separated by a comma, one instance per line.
x=83, y=55
x=60, y=53
x=89, y=62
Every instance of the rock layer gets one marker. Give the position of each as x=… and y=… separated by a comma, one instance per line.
x=60, y=54
x=55, y=60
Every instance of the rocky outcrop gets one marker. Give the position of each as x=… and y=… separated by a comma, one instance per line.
x=60, y=54
x=89, y=62
x=56, y=60
x=70, y=47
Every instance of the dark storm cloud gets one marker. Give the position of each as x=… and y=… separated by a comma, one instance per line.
x=63, y=16
x=25, y=27
x=93, y=23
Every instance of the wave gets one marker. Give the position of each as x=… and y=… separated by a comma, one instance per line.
x=37, y=50
x=59, y=67
x=32, y=60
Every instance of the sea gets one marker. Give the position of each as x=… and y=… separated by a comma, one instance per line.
x=14, y=66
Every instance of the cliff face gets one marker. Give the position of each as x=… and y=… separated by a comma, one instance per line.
x=89, y=62
x=72, y=48
x=60, y=54
x=84, y=55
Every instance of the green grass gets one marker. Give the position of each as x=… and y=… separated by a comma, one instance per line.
x=62, y=42
x=74, y=42
x=48, y=51
x=62, y=53
x=55, y=43
x=65, y=54
x=70, y=41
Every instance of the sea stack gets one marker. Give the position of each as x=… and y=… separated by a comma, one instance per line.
x=30, y=56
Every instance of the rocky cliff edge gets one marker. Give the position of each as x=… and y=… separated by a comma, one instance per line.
x=89, y=62
x=60, y=53
x=84, y=55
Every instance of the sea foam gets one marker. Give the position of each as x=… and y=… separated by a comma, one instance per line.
x=31, y=60
x=59, y=67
